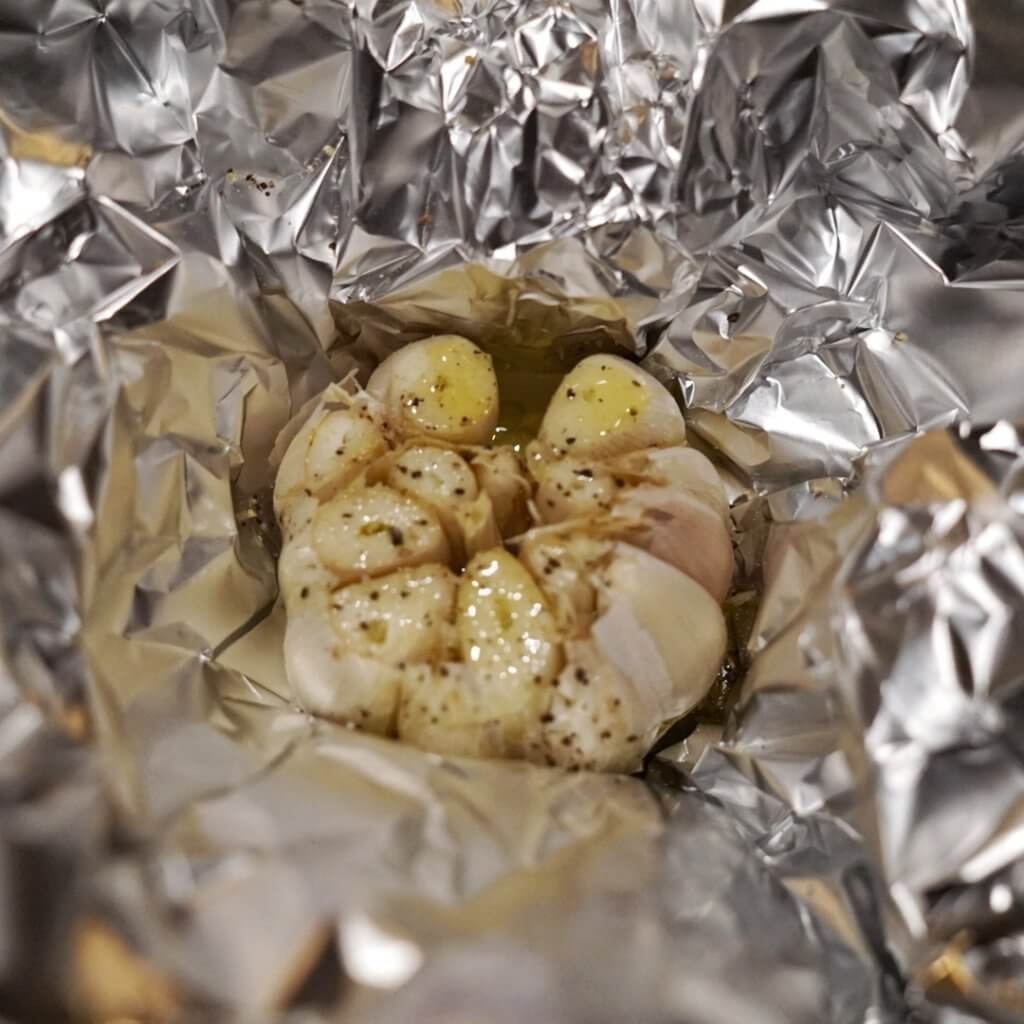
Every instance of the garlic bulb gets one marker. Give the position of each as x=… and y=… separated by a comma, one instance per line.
x=563, y=607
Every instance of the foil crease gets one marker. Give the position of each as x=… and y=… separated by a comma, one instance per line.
x=804, y=214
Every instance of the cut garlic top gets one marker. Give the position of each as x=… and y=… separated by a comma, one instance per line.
x=407, y=614
x=442, y=387
x=606, y=406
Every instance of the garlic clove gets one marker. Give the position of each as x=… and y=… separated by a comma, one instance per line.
x=679, y=467
x=606, y=406
x=342, y=445
x=452, y=709
x=501, y=473
x=443, y=480
x=442, y=387
x=335, y=684
x=405, y=616
x=594, y=722
x=571, y=488
x=370, y=531
x=506, y=631
x=476, y=527
x=661, y=630
x=564, y=563
x=681, y=530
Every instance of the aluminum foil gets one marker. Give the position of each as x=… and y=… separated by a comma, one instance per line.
x=805, y=215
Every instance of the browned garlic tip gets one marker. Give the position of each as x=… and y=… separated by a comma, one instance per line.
x=408, y=616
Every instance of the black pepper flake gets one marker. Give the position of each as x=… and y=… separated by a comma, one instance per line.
x=304, y=593
x=460, y=491
x=364, y=625
x=339, y=451
x=444, y=672
x=588, y=473
x=403, y=593
x=464, y=420
x=632, y=738
x=635, y=383
x=417, y=473
x=396, y=535
x=632, y=411
x=570, y=440
x=606, y=734
x=617, y=703
x=547, y=719
x=570, y=393
x=619, y=482
x=374, y=595
x=566, y=741
x=582, y=677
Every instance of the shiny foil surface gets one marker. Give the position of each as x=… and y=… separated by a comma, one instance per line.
x=805, y=215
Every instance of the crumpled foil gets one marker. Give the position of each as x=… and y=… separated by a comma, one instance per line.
x=805, y=215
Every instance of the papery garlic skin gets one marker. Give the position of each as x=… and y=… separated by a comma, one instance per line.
x=407, y=614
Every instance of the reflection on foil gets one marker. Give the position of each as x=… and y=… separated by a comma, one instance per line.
x=806, y=214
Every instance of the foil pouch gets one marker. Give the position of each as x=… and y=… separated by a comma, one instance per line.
x=803, y=215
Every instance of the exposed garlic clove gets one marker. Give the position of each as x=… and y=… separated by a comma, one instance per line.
x=442, y=387
x=571, y=488
x=370, y=531
x=501, y=474
x=506, y=631
x=442, y=710
x=607, y=406
x=441, y=479
x=594, y=722
x=661, y=630
x=487, y=705
x=476, y=527
x=669, y=501
x=342, y=445
x=335, y=684
x=405, y=616
x=301, y=574
x=564, y=562
x=452, y=709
